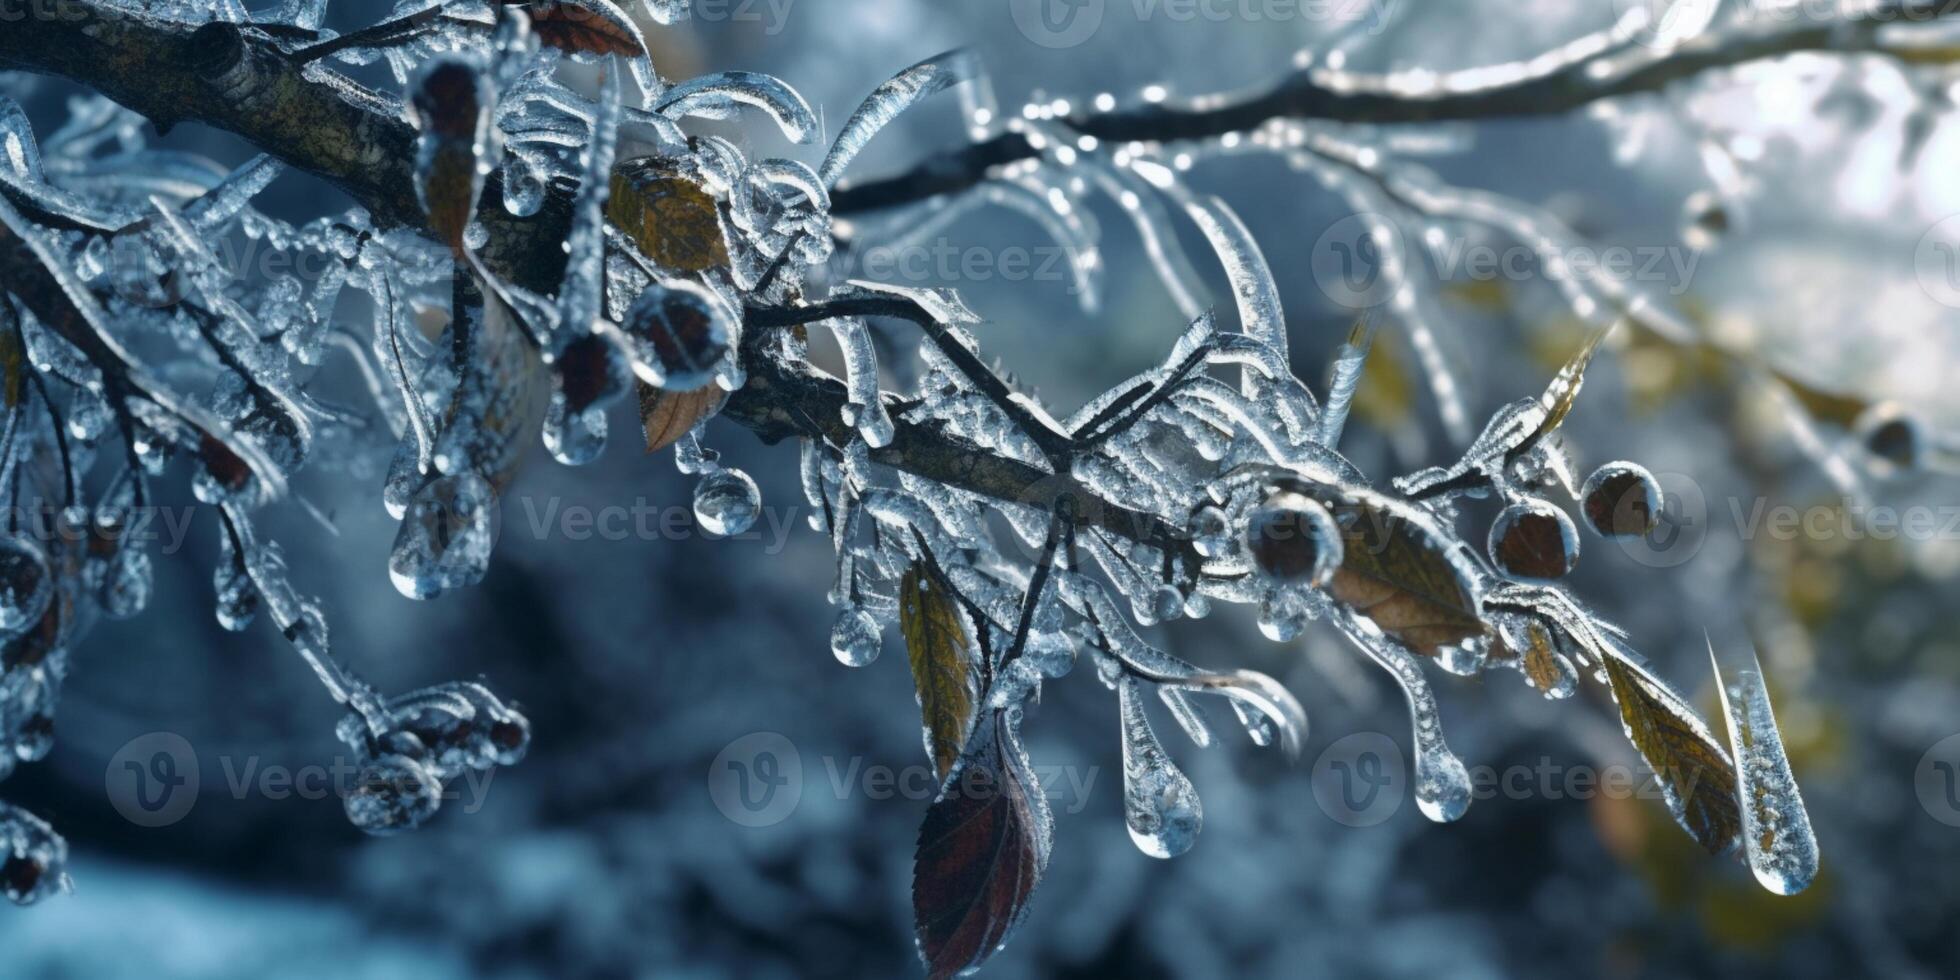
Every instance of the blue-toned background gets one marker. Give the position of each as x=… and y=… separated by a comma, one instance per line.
x=641, y=657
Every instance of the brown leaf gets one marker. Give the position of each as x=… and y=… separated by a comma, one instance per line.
x=1694, y=771
x=1400, y=571
x=593, y=27
x=669, y=415
x=669, y=216
x=449, y=109
x=13, y=367
x=1541, y=666
x=982, y=849
x=939, y=641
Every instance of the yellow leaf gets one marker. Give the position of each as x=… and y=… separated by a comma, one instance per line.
x=669, y=216
x=939, y=641
x=13, y=367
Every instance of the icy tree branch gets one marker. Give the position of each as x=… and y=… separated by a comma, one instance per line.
x=319, y=122
x=1614, y=71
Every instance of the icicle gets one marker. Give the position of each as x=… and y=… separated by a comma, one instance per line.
x=1442, y=784
x=445, y=538
x=222, y=203
x=1160, y=243
x=581, y=298
x=1160, y=806
x=33, y=858
x=18, y=150
x=1345, y=377
x=716, y=96
x=865, y=408
x=884, y=104
x=1776, y=834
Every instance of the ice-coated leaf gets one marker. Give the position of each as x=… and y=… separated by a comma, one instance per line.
x=982, y=849
x=451, y=106
x=1695, y=773
x=1403, y=571
x=939, y=639
x=668, y=215
x=588, y=27
x=668, y=415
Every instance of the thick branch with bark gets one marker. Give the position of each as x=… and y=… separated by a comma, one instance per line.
x=320, y=122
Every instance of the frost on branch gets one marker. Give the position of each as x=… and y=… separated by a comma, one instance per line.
x=1005, y=538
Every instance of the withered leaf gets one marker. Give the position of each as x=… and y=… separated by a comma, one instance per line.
x=13, y=367
x=939, y=642
x=669, y=216
x=982, y=849
x=667, y=415
x=449, y=109
x=1541, y=666
x=1695, y=773
x=594, y=27
x=1401, y=572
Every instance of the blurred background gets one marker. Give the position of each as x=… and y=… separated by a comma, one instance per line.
x=1797, y=198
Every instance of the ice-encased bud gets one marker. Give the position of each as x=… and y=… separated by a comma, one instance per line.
x=1292, y=538
x=680, y=333
x=1533, y=539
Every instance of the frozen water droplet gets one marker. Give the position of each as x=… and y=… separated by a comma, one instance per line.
x=445, y=538
x=1293, y=539
x=1160, y=806
x=1534, y=540
x=1282, y=614
x=1622, y=498
x=1211, y=533
x=855, y=640
x=395, y=793
x=25, y=583
x=1166, y=603
x=726, y=502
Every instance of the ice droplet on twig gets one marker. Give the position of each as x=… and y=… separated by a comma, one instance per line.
x=1160, y=805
